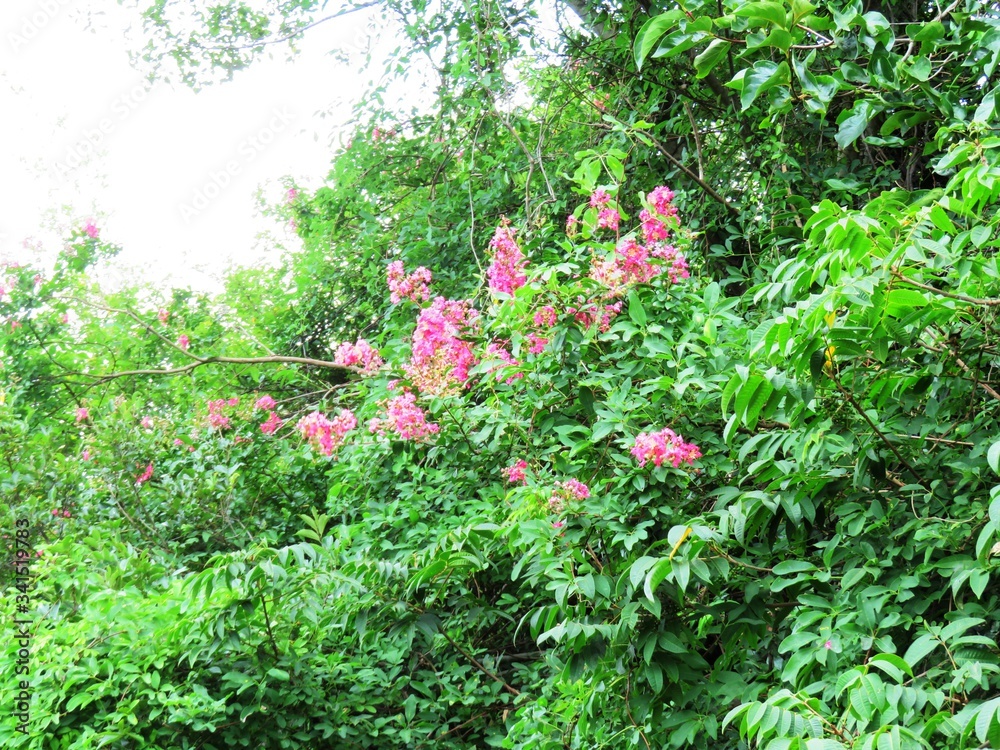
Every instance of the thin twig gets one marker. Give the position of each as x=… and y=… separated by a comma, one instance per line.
x=942, y=293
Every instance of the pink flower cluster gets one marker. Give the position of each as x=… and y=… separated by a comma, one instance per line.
x=497, y=350
x=271, y=425
x=632, y=264
x=146, y=423
x=183, y=342
x=566, y=492
x=163, y=315
x=326, y=435
x=265, y=402
x=361, y=355
x=90, y=229
x=536, y=343
x=441, y=358
x=413, y=287
x=515, y=473
x=404, y=419
x=665, y=446
x=506, y=272
x=607, y=216
x=589, y=314
x=546, y=316
x=145, y=476
x=216, y=417
x=82, y=414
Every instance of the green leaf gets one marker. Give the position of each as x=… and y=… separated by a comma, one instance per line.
x=709, y=57
x=919, y=649
x=764, y=11
x=789, y=567
x=763, y=76
x=635, y=309
x=854, y=124
x=892, y=665
x=657, y=573
x=993, y=457
x=279, y=674
x=651, y=32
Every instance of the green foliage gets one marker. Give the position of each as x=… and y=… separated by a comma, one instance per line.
x=819, y=578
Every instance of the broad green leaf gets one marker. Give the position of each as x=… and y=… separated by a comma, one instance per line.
x=651, y=32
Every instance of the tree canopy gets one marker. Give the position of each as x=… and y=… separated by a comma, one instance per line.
x=637, y=388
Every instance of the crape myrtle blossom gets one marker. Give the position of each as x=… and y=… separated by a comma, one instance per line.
x=665, y=446
x=403, y=419
x=545, y=317
x=163, y=315
x=326, y=435
x=515, y=473
x=361, y=355
x=216, y=418
x=441, y=359
x=183, y=342
x=265, y=402
x=414, y=287
x=536, y=343
x=565, y=492
x=145, y=476
x=90, y=229
x=497, y=350
x=506, y=272
x=272, y=424
x=82, y=414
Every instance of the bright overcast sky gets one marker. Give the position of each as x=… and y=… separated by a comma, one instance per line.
x=174, y=174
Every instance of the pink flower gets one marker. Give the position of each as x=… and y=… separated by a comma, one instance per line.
x=405, y=419
x=146, y=423
x=565, y=492
x=86, y=454
x=599, y=198
x=183, y=342
x=66, y=514
x=178, y=442
x=665, y=446
x=608, y=218
x=661, y=200
x=545, y=317
x=515, y=472
x=537, y=343
x=266, y=403
x=506, y=272
x=90, y=229
x=413, y=287
x=558, y=524
x=82, y=414
x=291, y=195
x=499, y=351
x=163, y=315
x=145, y=476
x=65, y=318
x=440, y=358
x=828, y=645
x=216, y=417
x=326, y=435
x=360, y=355
x=272, y=424
x=571, y=222
x=653, y=229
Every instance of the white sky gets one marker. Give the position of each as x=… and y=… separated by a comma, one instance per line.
x=61, y=82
